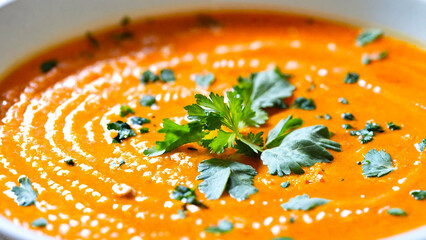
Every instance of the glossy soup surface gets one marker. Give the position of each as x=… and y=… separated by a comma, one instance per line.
x=63, y=113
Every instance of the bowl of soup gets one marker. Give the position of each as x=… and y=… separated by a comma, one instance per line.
x=213, y=120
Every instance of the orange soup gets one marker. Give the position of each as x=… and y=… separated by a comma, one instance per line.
x=228, y=125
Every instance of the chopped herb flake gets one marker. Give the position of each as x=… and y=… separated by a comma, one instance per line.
x=351, y=78
x=418, y=194
x=124, y=131
x=186, y=196
x=348, y=116
x=392, y=126
x=48, y=65
x=167, y=75
x=25, y=194
x=285, y=184
x=364, y=136
x=223, y=226
x=367, y=36
x=204, y=81
x=126, y=110
x=421, y=146
x=147, y=100
x=347, y=126
x=40, y=222
x=343, y=100
x=144, y=130
x=139, y=120
x=397, y=212
x=304, y=103
x=148, y=76
x=304, y=203
x=69, y=161
x=377, y=164
x=365, y=59
x=327, y=117
x=374, y=127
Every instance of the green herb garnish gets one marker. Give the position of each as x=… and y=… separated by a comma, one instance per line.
x=124, y=131
x=367, y=36
x=304, y=203
x=144, y=130
x=147, y=101
x=40, y=222
x=25, y=194
x=304, y=103
x=421, y=146
x=186, y=196
x=392, y=126
x=48, y=65
x=285, y=184
x=126, y=110
x=223, y=226
x=377, y=164
x=204, y=81
x=69, y=161
x=343, y=100
x=351, y=78
x=301, y=148
x=397, y=212
x=167, y=75
x=366, y=135
x=148, y=76
x=220, y=175
x=418, y=194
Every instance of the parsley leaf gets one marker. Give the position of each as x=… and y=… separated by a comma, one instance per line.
x=304, y=203
x=48, y=65
x=204, y=81
x=139, y=120
x=421, y=146
x=367, y=36
x=304, y=103
x=351, y=78
x=377, y=164
x=223, y=226
x=187, y=196
x=124, y=131
x=40, y=222
x=392, y=126
x=148, y=76
x=301, y=148
x=126, y=110
x=220, y=175
x=281, y=130
x=176, y=135
x=397, y=212
x=25, y=194
x=147, y=101
x=167, y=75
x=418, y=194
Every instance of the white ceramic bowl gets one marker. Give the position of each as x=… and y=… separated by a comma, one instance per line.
x=30, y=26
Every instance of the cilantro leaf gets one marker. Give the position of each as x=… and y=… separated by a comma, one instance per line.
x=220, y=175
x=222, y=141
x=397, y=212
x=148, y=76
x=377, y=164
x=48, y=65
x=147, y=101
x=187, y=196
x=250, y=145
x=167, y=75
x=418, y=194
x=124, y=131
x=351, y=78
x=280, y=131
x=392, y=126
x=367, y=36
x=366, y=135
x=304, y=103
x=301, y=148
x=204, y=81
x=223, y=226
x=25, y=194
x=126, y=110
x=421, y=146
x=40, y=222
x=139, y=120
x=176, y=135
x=304, y=203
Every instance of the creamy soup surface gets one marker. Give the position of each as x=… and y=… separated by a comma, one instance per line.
x=56, y=107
